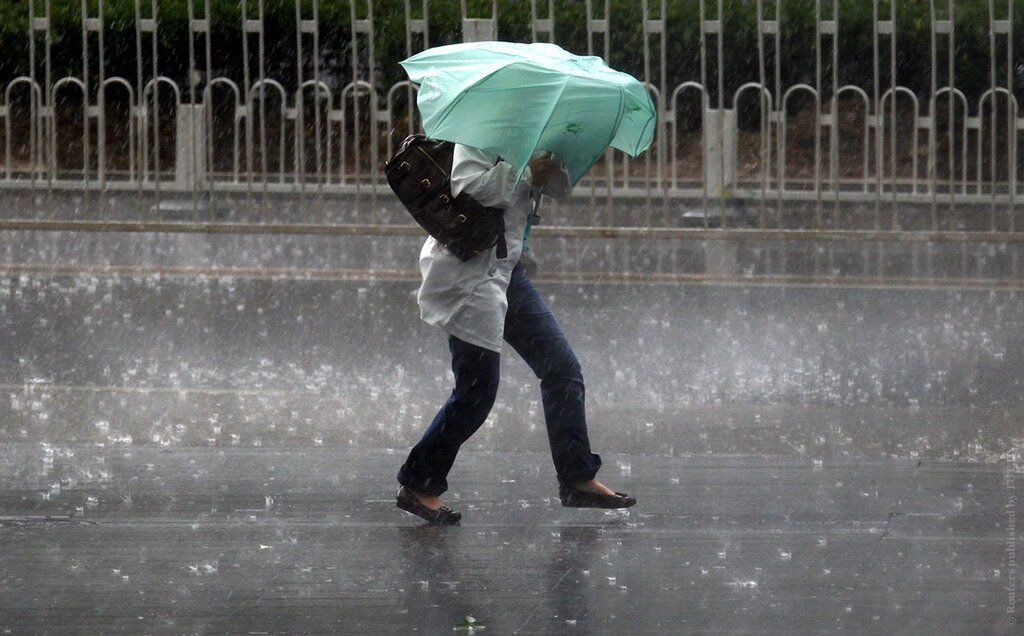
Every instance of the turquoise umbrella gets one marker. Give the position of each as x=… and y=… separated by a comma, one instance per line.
x=515, y=99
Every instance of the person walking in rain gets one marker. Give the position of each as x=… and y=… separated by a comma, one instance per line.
x=479, y=303
x=503, y=104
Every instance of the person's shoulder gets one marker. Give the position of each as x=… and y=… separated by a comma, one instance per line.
x=472, y=152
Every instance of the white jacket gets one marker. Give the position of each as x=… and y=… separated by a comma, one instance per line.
x=467, y=299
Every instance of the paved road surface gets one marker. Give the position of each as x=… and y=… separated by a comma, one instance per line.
x=271, y=541
x=204, y=452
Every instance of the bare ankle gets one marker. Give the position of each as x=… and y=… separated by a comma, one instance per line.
x=592, y=485
x=431, y=501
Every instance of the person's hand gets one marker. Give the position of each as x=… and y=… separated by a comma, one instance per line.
x=542, y=169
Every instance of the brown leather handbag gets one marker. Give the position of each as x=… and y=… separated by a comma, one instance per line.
x=420, y=174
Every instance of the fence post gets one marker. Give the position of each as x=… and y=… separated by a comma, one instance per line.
x=480, y=29
x=542, y=25
x=190, y=150
x=720, y=152
x=477, y=29
x=595, y=26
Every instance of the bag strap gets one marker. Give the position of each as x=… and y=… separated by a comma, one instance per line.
x=501, y=249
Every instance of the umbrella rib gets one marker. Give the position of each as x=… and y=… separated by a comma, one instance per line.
x=632, y=152
x=547, y=120
x=615, y=131
x=455, y=102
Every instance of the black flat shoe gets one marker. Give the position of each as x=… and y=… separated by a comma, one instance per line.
x=572, y=498
x=410, y=503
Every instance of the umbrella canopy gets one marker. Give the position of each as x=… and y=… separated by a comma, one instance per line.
x=515, y=99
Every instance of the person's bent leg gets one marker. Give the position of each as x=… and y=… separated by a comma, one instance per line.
x=476, y=385
x=532, y=330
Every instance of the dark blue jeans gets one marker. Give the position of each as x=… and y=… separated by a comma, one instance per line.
x=531, y=329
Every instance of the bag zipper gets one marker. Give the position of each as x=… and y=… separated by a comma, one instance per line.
x=433, y=161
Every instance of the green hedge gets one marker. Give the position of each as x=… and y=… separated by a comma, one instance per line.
x=797, y=63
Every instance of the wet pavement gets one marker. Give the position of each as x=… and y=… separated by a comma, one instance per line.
x=204, y=438
x=216, y=360
x=149, y=540
x=635, y=207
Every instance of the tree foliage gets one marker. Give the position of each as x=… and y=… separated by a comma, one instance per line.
x=797, y=62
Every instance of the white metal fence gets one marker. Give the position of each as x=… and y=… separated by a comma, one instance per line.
x=943, y=151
